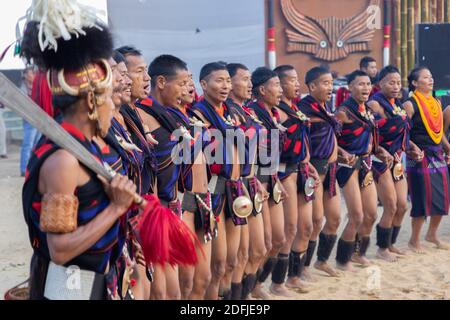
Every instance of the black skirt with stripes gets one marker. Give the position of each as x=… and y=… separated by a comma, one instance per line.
x=428, y=183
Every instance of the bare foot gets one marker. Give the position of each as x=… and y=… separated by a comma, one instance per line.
x=386, y=255
x=439, y=244
x=307, y=276
x=297, y=285
x=323, y=266
x=416, y=247
x=362, y=260
x=348, y=267
x=280, y=290
x=396, y=250
x=260, y=293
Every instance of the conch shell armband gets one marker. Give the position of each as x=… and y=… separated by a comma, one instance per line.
x=59, y=213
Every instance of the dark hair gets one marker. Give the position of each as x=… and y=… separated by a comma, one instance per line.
x=387, y=71
x=129, y=51
x=165, y=65
x=414, y=76
x=209, y=68
x=260, y=76
x=72, y=54
x=234, y=67
x=281, y=70
x=315, y=73
x=65, y=103
x=364, y=62
x=118, y=57
x=355, y=74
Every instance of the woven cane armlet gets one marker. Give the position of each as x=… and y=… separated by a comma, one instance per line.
x=59, y=213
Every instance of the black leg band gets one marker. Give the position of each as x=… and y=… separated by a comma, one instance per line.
x=227, y=294
x=302, y=263
x=267, y=269
x=345, y=250
x=384, y=237
x=326, y=244
x=310, y=252
x=395, y=232
x=280, y=269
x=248, y=284
x=236, y=291
x=363, y=245
x=294, y=264
x=357, y=243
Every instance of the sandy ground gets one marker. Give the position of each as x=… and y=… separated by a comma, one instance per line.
x=15, y=250
x=412, y=277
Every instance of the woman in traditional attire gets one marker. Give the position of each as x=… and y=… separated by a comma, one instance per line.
x=428, y=177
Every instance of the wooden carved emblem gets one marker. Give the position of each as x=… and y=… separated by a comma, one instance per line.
x=328, y=39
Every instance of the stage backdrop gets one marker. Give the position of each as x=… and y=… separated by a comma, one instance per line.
x=198, y=31
x=336, y=33
x=307, y=32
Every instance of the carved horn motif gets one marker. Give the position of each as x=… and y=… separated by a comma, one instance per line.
x=329, y=39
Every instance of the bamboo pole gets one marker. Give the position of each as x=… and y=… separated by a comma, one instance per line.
x=447, y=11
x=417, y=11
x=404, y=38
x=397, y=21
x=387, y=27
x=440, y=11
x=271, y=50
x=411, y=27
x=433, y=8
x=425, y=11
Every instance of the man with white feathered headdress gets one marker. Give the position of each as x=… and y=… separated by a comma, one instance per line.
x=75, y=220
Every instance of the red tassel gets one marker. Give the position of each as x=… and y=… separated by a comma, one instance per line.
x=164, y=237
x=41, y=93
x=182, y=244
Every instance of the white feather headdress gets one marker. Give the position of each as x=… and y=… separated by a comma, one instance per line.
x=60, y=19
